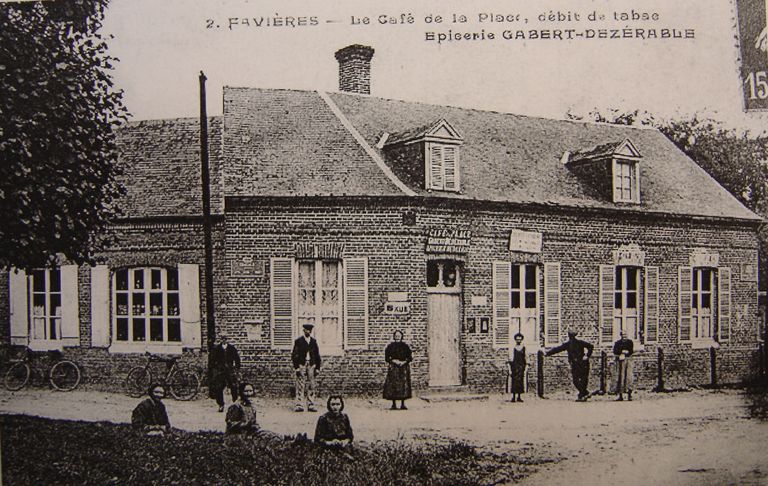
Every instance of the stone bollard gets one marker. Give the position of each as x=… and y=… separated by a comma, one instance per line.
x=540, y=373
x=659, y=370
x=603, y=370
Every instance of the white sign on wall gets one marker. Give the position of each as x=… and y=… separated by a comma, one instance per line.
x=629, y=256
x=525, y=241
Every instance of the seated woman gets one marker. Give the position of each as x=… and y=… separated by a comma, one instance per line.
x=333, y=428
x=241, y=416
x=150, y=415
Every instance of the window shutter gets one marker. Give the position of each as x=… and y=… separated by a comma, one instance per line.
x=451, y=166
x=551, y=303
x=281, y=287
x=189, y=301
x=436, y=167
x=70, y=306
x=684, y=303
x=607, y=289
x=501, y=304
x=355, y=303
x=651, y=304
x=19, y=311
x=724, y=303
x=100, y=323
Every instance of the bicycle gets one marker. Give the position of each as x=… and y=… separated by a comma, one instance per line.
x=182, y=384
x=64, y=375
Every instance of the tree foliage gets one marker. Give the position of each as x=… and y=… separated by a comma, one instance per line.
x=738, y=160
x=58, y=115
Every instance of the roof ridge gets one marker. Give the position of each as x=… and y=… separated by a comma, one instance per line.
x=365, y=146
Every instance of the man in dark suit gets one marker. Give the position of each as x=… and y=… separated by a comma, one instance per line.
x=225, y=362
x=306, y=365
x=579, y=353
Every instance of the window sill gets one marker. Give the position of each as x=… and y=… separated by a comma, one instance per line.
x=140, y=348
x=42, y=345
x=704, y=344
x=331, y=351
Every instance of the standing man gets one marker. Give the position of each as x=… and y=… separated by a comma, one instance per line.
x=225, y=363
x=579, y=353
x=306, y=365
x=623, y=350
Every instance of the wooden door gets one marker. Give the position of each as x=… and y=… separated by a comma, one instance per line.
x=444, y=324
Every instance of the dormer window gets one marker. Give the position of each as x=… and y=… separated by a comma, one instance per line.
x=625, y=181
x=612, y=168
x=428, y=156
x=443, y=162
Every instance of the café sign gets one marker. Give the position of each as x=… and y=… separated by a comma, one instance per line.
x=448, y=240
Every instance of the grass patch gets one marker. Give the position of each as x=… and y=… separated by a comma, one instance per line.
x=43, y=451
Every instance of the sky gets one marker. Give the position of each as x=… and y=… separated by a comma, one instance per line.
x=163, y=45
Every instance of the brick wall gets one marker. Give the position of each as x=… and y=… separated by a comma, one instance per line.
x=397, y=262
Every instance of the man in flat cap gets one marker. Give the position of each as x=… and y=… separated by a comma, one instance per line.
x=579, y=353
x=306, y=364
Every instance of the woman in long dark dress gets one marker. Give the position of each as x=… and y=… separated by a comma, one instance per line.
x=517, y=368
x=398, y=383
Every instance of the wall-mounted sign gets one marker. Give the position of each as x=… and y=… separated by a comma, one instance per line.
x=485, y=325
x=397, y=308
x=701, y=257
x=629, y=256
x=479, y=300
x=748, y=272
x=448, y=240
x=253, y=330
x=525, y=241
x=471, y=325
x=246, y=266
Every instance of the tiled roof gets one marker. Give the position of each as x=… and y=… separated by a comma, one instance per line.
x=603, y=150
x=293, y=143
x=282, y=142
x=517, y=159
x=161, y=167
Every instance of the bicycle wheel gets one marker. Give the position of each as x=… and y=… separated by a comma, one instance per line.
x=64, y=376
x=183, y=385
x=17, y=376
x=137, y=381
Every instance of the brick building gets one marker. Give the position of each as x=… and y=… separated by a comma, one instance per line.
x=365, y=215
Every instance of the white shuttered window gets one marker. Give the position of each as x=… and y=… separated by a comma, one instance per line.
x=330, y=294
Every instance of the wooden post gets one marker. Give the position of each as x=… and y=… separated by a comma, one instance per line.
x=207, y=223
x=712, y=367
x=660, y=370
x=540, y=373
x=603, y=370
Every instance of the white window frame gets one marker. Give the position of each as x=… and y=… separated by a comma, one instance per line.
x=626, y=178
x=523, y=319
x=46, y=315
x=147, y=314
x=321, y=310
x=623, y=313
x=701, y=332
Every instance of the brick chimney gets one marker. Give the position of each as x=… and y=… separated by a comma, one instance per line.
x=355, y=68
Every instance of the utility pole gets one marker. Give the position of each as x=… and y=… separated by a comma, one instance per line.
x=207, y=225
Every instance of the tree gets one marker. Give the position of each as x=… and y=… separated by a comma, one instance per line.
x=58, y=115
x=738, y=160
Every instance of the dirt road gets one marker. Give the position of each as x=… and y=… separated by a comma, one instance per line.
x=705, y=437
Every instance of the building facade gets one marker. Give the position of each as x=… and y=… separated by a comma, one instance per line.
x=364, y=216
